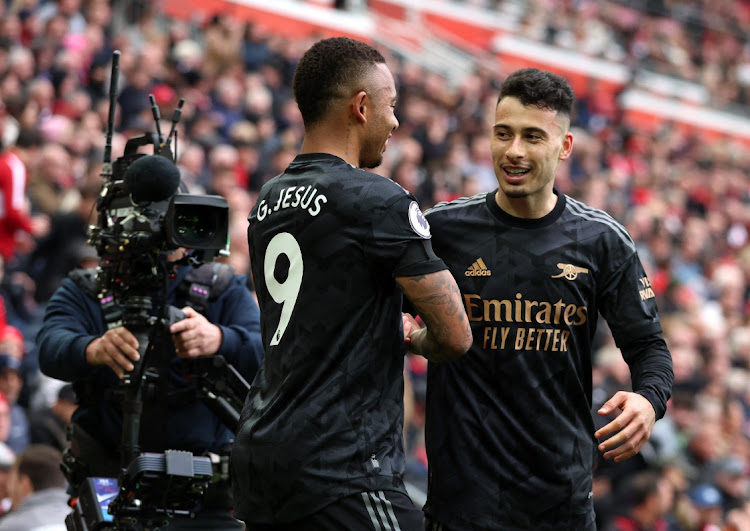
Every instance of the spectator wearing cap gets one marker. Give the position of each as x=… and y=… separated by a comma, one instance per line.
x=732, y=480
x=39, y=499
x=11, y=383
x=706, y=500
x=49, y=426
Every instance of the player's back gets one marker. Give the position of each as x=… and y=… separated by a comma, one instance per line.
x=324, y=239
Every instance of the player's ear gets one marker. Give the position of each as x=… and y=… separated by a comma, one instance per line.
x=359, y=106
x=567, y=146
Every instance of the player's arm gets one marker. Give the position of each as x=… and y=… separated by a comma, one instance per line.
x=437, y=300
x=652, y=375
x=635, y=327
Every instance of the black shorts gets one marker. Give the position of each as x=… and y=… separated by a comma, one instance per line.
x=382, y=510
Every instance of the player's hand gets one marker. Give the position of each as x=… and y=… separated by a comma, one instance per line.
x=630, y=430
x=117, y=348
x=195, y=336
x=410, y=325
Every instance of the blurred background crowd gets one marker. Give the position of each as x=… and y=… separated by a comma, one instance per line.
x=684, y=197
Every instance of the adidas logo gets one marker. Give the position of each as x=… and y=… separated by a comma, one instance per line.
x=478, y=269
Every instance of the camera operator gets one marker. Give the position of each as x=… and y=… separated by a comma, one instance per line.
x=75, y=345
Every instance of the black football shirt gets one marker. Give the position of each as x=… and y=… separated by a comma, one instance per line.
x=509, y=432
x=324, y=415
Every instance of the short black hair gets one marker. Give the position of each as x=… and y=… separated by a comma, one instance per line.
x=41, y=464
x=639, y=487
x=330, y=69
x=29, y=137
x=532, y=86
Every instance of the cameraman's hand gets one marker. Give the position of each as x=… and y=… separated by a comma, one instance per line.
x=117, y=348
x=195, y=336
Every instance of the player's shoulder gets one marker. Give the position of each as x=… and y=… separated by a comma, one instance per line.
x=456, y=205
x=381, y=183
x=337, y=177
x=375, y=192
x=81, y=279
x=597, y=220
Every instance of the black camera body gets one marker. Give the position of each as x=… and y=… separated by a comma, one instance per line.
x=142, y=219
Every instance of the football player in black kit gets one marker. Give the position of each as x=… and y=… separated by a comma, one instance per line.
x=333, y=247
x=510, y=438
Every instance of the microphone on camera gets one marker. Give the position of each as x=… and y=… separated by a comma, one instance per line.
x=151, y=178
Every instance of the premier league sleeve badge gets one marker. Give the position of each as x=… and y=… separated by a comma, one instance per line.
x=418, y=222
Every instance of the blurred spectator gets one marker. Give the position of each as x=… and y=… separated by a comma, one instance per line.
x=732, y=479
x=49, y=426
x=133, y=99
x=645, y=499
x=706, y=500
x=59, y=252
x=223, y=170
x=704, y=445
x=255, y=49
x=7, y=457
x=69, y=10
x=227, y=105
x=11, y=383
x=223, y=38
x=38, y=492
x=738, y=519
x=244, y=137
x=17, y=307
x=51, y=181
x=16, y=225
x=191, y=161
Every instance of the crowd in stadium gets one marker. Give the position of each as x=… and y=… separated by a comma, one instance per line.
x=684, y=198
x=700, y=42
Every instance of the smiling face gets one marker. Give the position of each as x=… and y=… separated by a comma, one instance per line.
x=381, y=120
x=528, y=143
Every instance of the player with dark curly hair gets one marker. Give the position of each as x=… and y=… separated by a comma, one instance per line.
x=510, y=438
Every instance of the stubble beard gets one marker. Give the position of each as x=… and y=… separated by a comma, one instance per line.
x=515, y=192
x=371, y=159
x=373, y=165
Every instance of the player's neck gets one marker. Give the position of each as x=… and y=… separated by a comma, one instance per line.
x=532, y=206
x=335, y=143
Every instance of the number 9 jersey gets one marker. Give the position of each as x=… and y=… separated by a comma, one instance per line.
x=324, y=415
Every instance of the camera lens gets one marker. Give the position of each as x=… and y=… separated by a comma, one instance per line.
x=196, y=226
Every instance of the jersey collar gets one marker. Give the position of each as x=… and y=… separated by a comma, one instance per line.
x=523, y=223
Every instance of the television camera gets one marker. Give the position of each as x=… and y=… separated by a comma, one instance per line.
x=143, y=218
